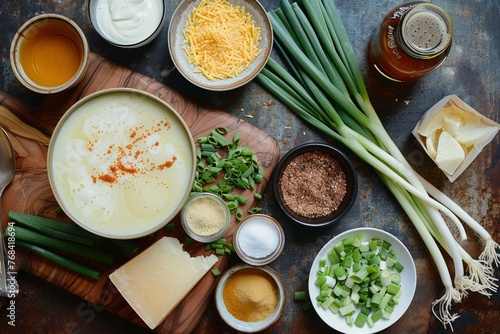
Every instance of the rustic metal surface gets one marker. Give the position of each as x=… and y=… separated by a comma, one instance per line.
x=472, y=71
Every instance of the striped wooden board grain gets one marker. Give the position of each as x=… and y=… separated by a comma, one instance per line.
x=30, y=128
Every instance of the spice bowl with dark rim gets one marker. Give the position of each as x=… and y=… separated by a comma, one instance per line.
x=315, y=184
x=250, y=299
x=205, y=217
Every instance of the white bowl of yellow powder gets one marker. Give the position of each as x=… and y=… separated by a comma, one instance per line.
x=250, y=299
x=205, y=217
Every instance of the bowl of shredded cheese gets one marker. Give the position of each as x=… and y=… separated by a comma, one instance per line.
x=220, y=45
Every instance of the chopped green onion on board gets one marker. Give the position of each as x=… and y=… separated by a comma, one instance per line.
x=219, y=174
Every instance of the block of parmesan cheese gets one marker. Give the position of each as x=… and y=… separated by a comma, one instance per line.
x=155, y=281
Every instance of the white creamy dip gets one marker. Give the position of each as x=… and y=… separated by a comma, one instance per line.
x=121, y=163
x=129, y=22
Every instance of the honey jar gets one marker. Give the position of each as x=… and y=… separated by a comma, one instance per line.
x=413, y=40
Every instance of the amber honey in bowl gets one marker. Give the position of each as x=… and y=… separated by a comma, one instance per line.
x=49, y=53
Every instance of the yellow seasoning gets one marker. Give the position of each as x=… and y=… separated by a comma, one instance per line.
x=221, y=39
x=250, y=295
x=205, y=216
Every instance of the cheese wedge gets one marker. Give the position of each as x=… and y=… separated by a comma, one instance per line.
x=431, y=143
x=452, y=122
x=474, y=133
x=450, y=153
x=155, y=281
x=434, y=123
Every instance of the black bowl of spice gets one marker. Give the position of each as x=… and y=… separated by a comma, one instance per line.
x=315, y=184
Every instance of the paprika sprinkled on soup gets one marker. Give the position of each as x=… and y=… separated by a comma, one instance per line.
x=51, y=54
x=132, y=159
x=120, y=161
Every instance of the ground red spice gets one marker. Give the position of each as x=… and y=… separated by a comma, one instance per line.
x=313, y=184
x=118, y=169
x=107, y=178
x=167, y=164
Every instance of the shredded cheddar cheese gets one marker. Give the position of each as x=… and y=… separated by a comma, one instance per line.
x=221, y=39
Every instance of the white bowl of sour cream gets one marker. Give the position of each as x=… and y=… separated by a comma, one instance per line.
x=125, y=23
x=121, y=163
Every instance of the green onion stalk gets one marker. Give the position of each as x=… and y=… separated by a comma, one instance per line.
x=323, y=85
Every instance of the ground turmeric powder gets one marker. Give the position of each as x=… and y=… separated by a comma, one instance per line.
x=250, y=295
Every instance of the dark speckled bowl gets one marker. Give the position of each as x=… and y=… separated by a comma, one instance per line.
x=351, y=180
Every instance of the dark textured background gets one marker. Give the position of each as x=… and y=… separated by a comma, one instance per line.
x=472, y=71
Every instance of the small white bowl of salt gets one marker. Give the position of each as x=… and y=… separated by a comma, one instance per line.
x=259, y=239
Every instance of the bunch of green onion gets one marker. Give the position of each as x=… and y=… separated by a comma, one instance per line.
x=53, y=239
x=324, y=86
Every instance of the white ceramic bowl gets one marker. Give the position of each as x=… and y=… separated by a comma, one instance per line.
x=48, y=31
x=121, y=163
x=408, y=282
x=243, y=326
x=259, y=239
x=136, y=24
x=176, y=44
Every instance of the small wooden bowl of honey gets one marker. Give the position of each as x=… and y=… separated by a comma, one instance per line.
x=49, y=53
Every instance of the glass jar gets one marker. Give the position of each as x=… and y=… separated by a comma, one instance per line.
x=205, y=217
x=413, y=40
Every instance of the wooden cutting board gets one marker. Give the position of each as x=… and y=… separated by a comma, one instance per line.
x=30, y=127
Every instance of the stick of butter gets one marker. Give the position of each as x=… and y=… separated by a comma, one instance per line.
x=155, y=281
x=450, y=134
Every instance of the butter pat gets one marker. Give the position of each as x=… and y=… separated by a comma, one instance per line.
x=453, y=134
x=450, y=153
x=155, y=281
